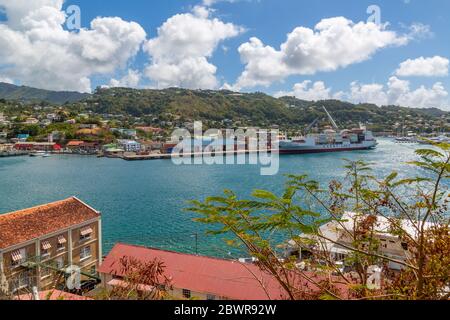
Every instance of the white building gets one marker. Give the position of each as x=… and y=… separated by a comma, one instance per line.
x=335, y=239
x=130, y=145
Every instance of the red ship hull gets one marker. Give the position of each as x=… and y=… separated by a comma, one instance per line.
x=310, y=151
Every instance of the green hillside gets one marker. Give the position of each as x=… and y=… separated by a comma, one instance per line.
x=28, y=94
x=256, y=109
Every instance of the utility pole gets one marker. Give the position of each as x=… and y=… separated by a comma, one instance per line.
x=195, y=235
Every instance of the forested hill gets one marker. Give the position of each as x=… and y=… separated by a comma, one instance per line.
x=251, y=108
x=28, y=94
x=246, y=109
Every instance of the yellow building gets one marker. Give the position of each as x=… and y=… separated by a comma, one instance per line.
x=38, y=244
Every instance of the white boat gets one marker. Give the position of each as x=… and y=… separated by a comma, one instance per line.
x=37, y=154
x=440, y=139
x=40, y=154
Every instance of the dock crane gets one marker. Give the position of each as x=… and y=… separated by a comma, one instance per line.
x=333, y=123
x=335, y=126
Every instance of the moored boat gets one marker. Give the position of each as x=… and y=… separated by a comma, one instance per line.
x=331, y=140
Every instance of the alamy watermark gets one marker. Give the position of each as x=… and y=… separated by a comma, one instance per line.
x=73, y=18
x=227, y=147
x=374, y=12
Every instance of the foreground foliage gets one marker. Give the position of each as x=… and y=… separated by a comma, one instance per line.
x=415, y=209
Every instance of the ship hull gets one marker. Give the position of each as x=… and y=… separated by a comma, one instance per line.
x=323, y=150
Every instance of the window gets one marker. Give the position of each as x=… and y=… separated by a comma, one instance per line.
x=210, y=297
x=405, y=246
x=85, y=234
x=18, y=257
x=45, y=273
x=21, y=281
x=45, y=254
x=60, y=263
x=61, y=246
x=85, y=253
x=186, y=293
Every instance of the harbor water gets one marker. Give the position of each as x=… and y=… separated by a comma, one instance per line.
x=142, y=202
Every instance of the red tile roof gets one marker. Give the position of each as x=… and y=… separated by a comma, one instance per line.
x=25, y=225
x=75, y=143
x=53, y=295
x=222, y=278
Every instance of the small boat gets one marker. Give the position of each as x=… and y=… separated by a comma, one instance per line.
x=37, y=154
x=42, y=154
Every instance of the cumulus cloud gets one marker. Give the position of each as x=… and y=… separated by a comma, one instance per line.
x=130, y=80
x=424, y=67
x=395, y=92
x=399, y=92
x=180, y=52
x=334, y=43
x=37, y=51
x=307, y=90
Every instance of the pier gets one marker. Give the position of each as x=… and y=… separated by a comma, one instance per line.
x=157, y=156
x=6, y=154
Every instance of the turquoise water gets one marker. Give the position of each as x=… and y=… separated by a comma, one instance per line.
x=142, y=202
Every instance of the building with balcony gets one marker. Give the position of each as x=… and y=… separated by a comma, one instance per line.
x=37, y=245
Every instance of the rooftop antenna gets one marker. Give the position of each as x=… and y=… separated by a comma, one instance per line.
x=335, y=126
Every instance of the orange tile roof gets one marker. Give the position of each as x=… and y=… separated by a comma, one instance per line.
x=28, y=224
x=75, y=143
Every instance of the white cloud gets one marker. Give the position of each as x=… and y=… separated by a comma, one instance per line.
x=418, y=31
x=180, y=52
x=209, y=3
x=36, y=50
x=309, y=91
x=334, y=43
x=399, y=92
x=6, y=80
x=426, y=67
x=367, y=93
x=130, y=80
x=395, y=92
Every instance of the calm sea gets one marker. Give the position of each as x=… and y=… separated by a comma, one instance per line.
x=142, y=202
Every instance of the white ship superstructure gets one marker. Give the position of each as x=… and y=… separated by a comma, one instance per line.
x=331, y=140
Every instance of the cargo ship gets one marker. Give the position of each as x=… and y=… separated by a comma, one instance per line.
x=331, y=140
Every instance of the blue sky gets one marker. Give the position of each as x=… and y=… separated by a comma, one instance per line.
x=271, y=21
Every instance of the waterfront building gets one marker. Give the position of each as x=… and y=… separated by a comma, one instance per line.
x=37, y=146
x=39, y=243
x=74, y=145
x=6, y=147
x=194, y=276
x=129, y=145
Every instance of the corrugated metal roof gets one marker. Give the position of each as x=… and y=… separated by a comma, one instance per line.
x=222, y=278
